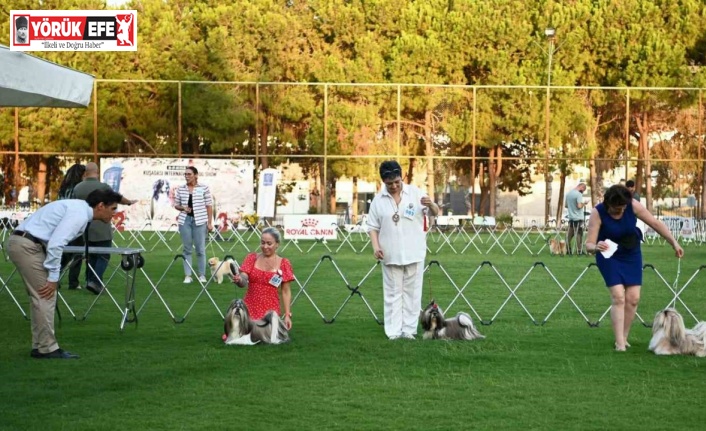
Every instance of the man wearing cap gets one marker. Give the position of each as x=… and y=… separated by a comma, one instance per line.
x=21, y=30
x=575, y=206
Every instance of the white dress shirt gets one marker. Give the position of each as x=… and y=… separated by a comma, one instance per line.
x=56, y=224
x=405, y=242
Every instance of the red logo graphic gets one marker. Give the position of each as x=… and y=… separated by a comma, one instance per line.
x=309, y=222
x=126, y=36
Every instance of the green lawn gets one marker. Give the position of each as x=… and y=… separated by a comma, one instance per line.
x=158, y=374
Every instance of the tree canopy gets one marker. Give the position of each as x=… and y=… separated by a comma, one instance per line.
x=460, y=75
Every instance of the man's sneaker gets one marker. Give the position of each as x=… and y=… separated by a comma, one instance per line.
x=187, y=279
x=202, y=279
x=407, y=336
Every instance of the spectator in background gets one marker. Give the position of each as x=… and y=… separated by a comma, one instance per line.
x=74, y=175
x=195, y=205
x=23, y=198
x=575, y=207
x=100, y=233
x=630, y=184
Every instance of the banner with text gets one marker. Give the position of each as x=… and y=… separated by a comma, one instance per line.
x=324, y=226
x=153, y=183
x=73, y=30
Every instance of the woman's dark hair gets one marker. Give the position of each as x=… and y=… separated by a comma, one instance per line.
x=193, y=169
x=389, y=170
x=616, y=196
x=74, y=175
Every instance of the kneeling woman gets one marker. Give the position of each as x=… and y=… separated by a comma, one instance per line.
x=616, y=220
x=266, y=274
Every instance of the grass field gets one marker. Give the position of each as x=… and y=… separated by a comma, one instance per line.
x=562, y=374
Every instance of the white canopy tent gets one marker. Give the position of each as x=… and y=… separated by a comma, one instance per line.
x=29, y=81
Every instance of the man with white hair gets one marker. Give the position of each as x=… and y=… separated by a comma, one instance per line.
x=575, y=207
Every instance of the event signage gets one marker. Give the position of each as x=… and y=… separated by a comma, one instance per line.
x=73, y=30
x=154, y=181
x=311, y=226
x=267, y=192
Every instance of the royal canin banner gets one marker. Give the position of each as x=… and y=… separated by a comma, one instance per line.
x=73, y=30
x=320, y=226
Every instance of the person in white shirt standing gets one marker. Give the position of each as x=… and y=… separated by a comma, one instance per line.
x=396, y=225
x=35, y=248
x=195, y=205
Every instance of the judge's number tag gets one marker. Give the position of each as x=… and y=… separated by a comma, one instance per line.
x=409, y=211
x=276, y=280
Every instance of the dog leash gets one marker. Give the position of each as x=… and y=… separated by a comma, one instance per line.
x=425, y=275
x=676, y=285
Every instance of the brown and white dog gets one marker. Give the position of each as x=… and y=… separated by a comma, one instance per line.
x=670, y=336
x=557, y=246
x=239, y=329
x=436, y=327
x=220, y=270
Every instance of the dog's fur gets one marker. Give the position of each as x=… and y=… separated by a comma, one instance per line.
x=436, y=326
x=670, y=336
x=557, y=246
x=220, y=270
x=239, y=329
x=160, y=191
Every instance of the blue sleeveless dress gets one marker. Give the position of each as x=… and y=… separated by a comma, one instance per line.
x=625, y=266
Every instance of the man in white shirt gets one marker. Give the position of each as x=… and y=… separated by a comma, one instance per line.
x=396, y=226
x=35, y=248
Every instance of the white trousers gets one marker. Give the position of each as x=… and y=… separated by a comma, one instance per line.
x=402, y=291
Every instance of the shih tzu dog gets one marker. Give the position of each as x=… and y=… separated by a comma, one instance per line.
x=436, y=326
x=670, y=336
x=557, y=246
x=220, y=270
x=239, y=329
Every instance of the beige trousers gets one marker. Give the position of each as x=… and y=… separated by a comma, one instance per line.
x=29, y=258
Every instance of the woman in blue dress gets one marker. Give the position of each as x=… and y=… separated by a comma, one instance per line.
x=616, y=220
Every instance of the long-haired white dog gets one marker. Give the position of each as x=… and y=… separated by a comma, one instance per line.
x=670, y=336
x=435, y=326
x=239, y=329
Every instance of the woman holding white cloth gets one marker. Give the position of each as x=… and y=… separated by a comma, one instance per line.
x=396, y=226
x=614, y=222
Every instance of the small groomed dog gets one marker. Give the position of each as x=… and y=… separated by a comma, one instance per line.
x=670, y=336
x=557, y=246
x=220, y=270
x=239, y=329
x=436, y=327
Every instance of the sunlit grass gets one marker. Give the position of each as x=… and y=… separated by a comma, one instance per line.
x=157, y=374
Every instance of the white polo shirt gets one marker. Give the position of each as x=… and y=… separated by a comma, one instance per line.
x=405, y=242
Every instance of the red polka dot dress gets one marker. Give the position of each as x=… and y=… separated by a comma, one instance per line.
x=261, y=296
